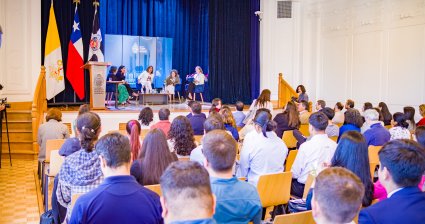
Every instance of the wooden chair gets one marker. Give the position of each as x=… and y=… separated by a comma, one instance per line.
x=242, y=178
x=122, y=126
x=339, y=124
x=144, y=132
x=186, y=158
x=69, y=127
x=74, y=198
x=274, y=189
x=298, y=218
x=308, y=184
x=290, y=159
x=334, y=138
x=239, y=128
x=155, y=188
x=372, y=169
x=388, y=126
x=289, y=139
x=198, y=139
x=373, y=153
x=50, y=172
x=304, y=130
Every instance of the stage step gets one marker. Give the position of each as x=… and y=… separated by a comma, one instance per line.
x=18, y=125
x=17, y=136
x=18, y=115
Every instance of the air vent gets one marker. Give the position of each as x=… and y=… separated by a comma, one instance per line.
x=284, y=9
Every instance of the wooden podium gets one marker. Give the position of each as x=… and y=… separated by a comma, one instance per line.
x=97, y=83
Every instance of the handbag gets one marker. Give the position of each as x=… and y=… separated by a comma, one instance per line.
x=47, y=218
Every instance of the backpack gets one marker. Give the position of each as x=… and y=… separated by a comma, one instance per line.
x=47, y=218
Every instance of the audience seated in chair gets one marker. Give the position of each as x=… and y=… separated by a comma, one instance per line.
x=377, y=134
x=229, y=122
x=399, y=129
x=197, y=119
x=386, y=115
x=339, y=115
x=146, y=117
x=250, y=126
x=312, y=154
x=332, y=130
x=263, y=151
x=133, y=130
x=337, y=196
x=320, y=104
x=80, y=172
x=186, y=194
x=303, y=111
x=349, y=104
x=154, y=158
x=213, y=122
x=409, y=112
x=288, y=119
x=189, y=105
x=236, y=201
x=402, y=164
x=164, y=123
x=216, y=105
x=119, y=199
x=422, y=113
x=352, y=122
x=180, y=138
x=239, y=114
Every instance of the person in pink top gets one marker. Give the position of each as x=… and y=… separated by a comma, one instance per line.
x=164, y=123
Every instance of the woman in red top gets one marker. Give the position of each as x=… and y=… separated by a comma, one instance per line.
x=422, y=112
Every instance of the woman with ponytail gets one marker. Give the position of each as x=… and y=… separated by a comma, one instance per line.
x=81, y=171
x=400, y=125
x=133, y=130
x=263, y=151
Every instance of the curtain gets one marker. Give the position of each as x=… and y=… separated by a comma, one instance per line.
x=233, y=50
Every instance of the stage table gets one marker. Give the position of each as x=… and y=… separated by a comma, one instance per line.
x=153, y=98
x=116, y=90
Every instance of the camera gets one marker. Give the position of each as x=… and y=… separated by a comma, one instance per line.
x=4, y=101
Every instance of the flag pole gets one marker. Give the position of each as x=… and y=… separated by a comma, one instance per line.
x=95, y=4
x=76, y=2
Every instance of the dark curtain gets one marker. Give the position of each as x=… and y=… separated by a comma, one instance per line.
x=233, y=51
x=186, y=21
x=64, y=12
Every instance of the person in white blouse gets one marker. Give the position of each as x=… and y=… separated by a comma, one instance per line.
x=263, y=101
x=339, y=114
x=262, y=152
x=145, y=79
x=313, y=155
x=198, y=79
x=399, y=129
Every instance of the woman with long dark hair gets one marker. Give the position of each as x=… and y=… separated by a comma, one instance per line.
x=146, y=117
x=409, y=113
x=385, y=113
x=180, y=138
x=133, y=131
x=302, y=95
x=263, y=101
x=399, y=129
x=120, y=76
x=153, y=159
x=229, y=122
x=146, y=79
x=289, y=119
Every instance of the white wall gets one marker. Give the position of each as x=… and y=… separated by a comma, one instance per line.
x=20, y=56
x=365, y=50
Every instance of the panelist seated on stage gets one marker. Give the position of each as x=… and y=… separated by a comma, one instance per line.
x=172, y=80
x=195, y=79
x=145, y=79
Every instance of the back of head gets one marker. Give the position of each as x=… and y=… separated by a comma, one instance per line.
x=186, y=190
x=213, y=122
x=113, y=70
x=337, y=196
x=319, y=121
x=263, y=110
x=155, y=156
x=115, y=150
x=83, y=109
x=420, y=135
x=352, y=116
x=294, y=118
x=219, y=148
x=367, y=106
x=261, y=120
x=304, y=104
x=146, y=116
x=404, y=160
x=227, y=116
x=263, y=98
x=422, y=110
x=239, y=106
x=321, y=103
x=181, y=133
x=328, y=112
x=133, y=130
x=385, y=111
x=339, y=106
x=196, y=107
x=54, y=114
x=409, y=112
x=400, y=119
x=349, y=104
x=371, y=114
x=164, y=114
x=88, y=124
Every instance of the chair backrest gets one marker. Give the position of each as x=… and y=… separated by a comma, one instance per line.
x=304, y=130
x=122, y=126
x=186, y=158
x=298, y=218
x=52, y=144
x=198, y=139
x=69, y=126
x=339, y=124
x=373, y=153
x=289, y=139
x=56, y=161
x=388, y=126
x=274, y=189
x=334, y=138
x=242, y=178
x=308, y=183
x=372, y=169
x=144, y=132
x=74, y=198
x=155, y=188
x=290, y=159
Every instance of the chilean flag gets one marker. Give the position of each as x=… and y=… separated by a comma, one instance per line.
x=74, y=70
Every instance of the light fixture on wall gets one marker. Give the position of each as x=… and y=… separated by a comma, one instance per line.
x=259, y=14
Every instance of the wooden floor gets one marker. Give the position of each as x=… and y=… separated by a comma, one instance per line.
x=18, y=192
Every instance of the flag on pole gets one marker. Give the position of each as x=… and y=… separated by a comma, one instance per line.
x=53, y=59
x=74, y=70
x=95, y=52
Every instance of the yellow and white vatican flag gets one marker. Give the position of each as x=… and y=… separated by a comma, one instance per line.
x=55, y=82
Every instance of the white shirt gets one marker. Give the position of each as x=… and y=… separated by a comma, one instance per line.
x=338, y=118
x=199, y=79
x=143, y=78
x=311, y=155
x=394, y=191
x=267, y=105
x=399, y=133
x=261, y=155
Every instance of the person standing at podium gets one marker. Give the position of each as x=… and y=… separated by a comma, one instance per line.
x=198, y=79
x=146, y=78
x=120, y=76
